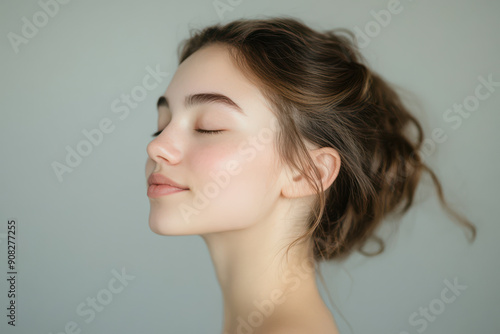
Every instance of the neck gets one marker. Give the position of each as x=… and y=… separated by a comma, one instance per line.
x=256, y=278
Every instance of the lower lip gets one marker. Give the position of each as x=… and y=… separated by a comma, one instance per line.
x=158, y=190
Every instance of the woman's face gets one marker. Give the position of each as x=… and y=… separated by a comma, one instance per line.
x=231, y=174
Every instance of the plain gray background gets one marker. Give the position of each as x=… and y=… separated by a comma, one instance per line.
x=72, y=234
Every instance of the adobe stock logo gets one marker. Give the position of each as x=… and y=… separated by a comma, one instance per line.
x=221, y=6
x=97, y=303
x=122, y=107
x=425, y=315
x=455, y=115
x=40, y=19
x=248, y=149
x=291, y=280
x=381, y=19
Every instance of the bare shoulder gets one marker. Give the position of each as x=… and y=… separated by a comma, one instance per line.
x=300, y=318
x=293, y=329
x=297, y=326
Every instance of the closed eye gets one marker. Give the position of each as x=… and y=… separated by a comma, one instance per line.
x=208, y=131
x=157, y=133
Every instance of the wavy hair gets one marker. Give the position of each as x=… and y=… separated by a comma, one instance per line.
x=322, y=91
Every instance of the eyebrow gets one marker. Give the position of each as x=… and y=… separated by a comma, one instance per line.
x=203, y=98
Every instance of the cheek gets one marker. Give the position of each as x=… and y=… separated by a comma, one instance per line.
x=236, y=183
x=211, y=158
x=213, y=165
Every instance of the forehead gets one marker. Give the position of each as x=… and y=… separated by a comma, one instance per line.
x=211, y=69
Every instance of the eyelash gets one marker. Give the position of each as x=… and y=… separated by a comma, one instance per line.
x=210, y=132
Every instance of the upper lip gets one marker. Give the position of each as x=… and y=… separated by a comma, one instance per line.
x=157, y=178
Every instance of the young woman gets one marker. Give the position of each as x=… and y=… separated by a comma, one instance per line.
x=280, y=148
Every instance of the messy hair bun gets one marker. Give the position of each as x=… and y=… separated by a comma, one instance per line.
x=322, y=92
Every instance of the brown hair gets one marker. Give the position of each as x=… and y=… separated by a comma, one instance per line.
x=321, y=91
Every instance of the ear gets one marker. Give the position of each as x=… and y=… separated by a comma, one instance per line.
x=327, y=162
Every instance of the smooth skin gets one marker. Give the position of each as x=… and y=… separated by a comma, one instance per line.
x=248, y=221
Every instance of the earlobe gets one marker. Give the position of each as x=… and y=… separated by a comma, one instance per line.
x=293, y=184
x=327, y=162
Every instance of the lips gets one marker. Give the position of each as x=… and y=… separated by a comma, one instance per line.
x=159, y=179
x=160, y=185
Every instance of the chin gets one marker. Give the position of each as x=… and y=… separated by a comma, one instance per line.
x=168, y=228
x=165, y=226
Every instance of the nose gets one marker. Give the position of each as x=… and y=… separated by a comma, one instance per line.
x=163, y=149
